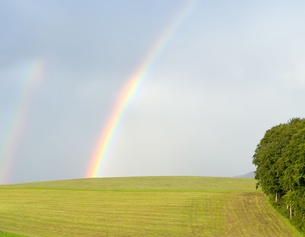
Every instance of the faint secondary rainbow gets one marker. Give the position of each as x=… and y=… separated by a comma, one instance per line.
x=15, y=125
x=129, y=90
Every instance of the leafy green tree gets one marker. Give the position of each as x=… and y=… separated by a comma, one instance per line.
x=293, y=160
x=293, y=178
x=280, y=167
x=266, y=157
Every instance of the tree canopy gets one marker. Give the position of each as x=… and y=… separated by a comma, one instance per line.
x=280, y=167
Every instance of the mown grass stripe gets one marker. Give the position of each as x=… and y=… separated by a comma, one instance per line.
x=9, y=234
x=60, y=211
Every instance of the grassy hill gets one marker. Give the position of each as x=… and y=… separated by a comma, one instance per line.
x=139, y=206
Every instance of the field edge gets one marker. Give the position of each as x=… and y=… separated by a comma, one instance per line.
x=284, y=219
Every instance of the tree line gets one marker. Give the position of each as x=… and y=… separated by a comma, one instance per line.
x=280, y=168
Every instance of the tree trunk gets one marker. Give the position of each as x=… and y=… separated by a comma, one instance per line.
x=290, y=212
x=276, y=199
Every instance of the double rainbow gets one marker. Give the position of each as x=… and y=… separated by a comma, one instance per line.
x=129, y=90
x=15, y=126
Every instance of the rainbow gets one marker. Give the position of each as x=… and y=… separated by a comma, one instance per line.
x=15, y=126
x=129, y=90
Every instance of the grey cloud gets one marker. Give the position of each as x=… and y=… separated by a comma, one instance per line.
x=228, y=73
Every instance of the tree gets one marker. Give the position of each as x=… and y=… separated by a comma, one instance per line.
x=266, y=157
x=269, y=158
x=280, y=167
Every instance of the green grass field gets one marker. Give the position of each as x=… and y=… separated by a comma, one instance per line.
x=140, y=206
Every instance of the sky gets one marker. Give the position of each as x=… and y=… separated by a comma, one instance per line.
x=227, y=71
